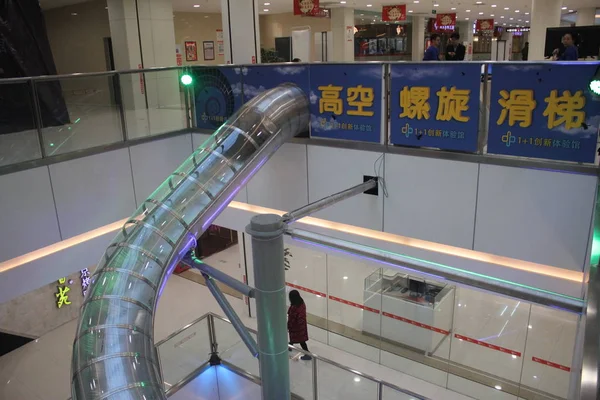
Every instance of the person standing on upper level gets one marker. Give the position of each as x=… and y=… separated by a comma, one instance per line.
x=455, y=51
x=433, y=53
x=571, y=53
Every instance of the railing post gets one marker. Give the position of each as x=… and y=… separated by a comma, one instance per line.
x=120, y=102
x=380, y=391
x=269, y=277
x=483, y=112
x=37, y=114
x=315, y=375
x=212, y=335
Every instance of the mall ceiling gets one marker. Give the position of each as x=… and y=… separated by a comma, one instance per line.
x=471, y=9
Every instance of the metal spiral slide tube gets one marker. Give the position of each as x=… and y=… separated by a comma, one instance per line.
x=114, y=356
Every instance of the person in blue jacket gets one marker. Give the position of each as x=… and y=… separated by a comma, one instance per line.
x=570, y=53
x=433, y=53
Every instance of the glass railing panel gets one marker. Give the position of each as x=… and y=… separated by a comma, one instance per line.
x=19, y=140
x=301, y=376
x=389, y=393
x=354, y=322
x=165, y=101
x=547, y=360
x=79, y=113
x=185, y=352
x=336, y=383
x=232, y=349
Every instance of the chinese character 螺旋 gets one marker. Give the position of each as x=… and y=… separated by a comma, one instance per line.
x=452, y=104
x=361, y=98
x=518, y=106
x=330, y=100
x=414, y=102
x=568, y=108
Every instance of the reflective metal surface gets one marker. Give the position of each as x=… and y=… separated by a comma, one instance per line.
x=113, y=353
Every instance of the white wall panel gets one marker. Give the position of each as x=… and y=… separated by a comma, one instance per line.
x=331, y=170
x=431, y=199
x=535, y=215
x=153, y=162
x=28, y=218
x=282, y=182
x=92, y=191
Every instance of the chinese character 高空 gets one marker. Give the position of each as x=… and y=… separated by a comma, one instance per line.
x=568, y=108
x=518, y=106
x=452, y=104
x=360, y=97
x=415, y=102
x=330, y=100
x=62, y=297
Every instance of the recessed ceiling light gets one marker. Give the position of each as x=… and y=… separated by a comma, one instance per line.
x=502, y=16
x=416, y=1
x=480, y=13
x=526, y=13
x=342, y=2
x=369, y=5
x=504, y=24
x=267, y=4
x=206, y=16
x=479, y=2
x=73, y=13
x=570, y=10
x=564, y=8
x=346, y=276
x=410, y=11
x=357, y=379
x=520, y=20
x=266, y=10
x=511, y=19
x=436, y=5
x=527, y=21
x=468, y=10
x=493, y=6
x=466, y=19
x=491, y=15
x=516, y=11
x=507, y=8
x=514, y=356
x=453, y=8
x=498, y=387
x=196, y=5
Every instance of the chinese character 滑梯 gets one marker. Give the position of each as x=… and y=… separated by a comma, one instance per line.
x=518, y=106
x=452, y=103
x=330, y=100
x=415, y=102
x=360, y=97
x=568, y=108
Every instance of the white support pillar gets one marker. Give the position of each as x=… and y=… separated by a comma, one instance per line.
x=418, y=38
x=342, y=27
x=465, y=29
x=143, y=36
x=241, y=31
x=544, y=14
x=586, y=17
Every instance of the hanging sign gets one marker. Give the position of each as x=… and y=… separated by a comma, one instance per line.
x=445, y=22
x=394, y=13
x=306, y=7
x=484, y=25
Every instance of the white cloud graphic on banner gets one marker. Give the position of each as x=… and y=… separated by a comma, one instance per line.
x=592, y=123
x=289, y=70
x=313, y=97
x=251, y=91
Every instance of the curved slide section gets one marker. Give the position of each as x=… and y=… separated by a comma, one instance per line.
x=113, y=354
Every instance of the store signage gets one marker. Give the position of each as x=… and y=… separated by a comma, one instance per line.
x=445, y=22
x=306, y=7
x=484, y=25
x=85, y=280
x=178, y=55
x=62, y=296
x=394, y=13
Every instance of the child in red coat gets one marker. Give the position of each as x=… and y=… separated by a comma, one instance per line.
x=296, y=324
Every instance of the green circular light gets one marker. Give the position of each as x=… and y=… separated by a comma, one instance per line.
x=186, y=79
x=595, y=86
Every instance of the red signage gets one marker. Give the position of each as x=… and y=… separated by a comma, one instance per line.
x=484, y=25
x=551, y=364
x=306, y=7
x=394, y=13
x=445, y=22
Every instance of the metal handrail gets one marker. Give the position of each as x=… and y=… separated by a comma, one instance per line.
x=381, y=383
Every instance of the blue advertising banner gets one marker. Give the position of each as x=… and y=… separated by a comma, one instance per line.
x=435, y=105
x=217, y=94
x=345, y=101
x=544, y=111
x=257, y=79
